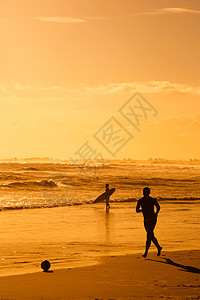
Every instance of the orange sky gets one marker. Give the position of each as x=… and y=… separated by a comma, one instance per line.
x=68, y=66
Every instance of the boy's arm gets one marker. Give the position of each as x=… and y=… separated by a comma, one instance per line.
x=157, y=207
x=138, y=209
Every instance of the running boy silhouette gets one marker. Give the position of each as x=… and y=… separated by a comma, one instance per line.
x=146, y=206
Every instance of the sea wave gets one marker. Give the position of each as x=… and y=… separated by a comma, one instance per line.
x=27, y=206
x=31, y=169
x=172, y=199
x=67, y=202
x=25, y=184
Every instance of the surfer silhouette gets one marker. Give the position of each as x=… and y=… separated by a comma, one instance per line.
x=146, y=206
x=107, y=196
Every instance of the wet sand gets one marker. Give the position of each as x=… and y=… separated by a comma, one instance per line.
x=77, y=236
x=174, y=275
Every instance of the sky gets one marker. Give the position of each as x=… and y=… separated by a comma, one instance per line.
x=75, y=75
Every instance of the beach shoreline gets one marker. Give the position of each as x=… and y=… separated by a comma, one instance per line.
x=174, y=275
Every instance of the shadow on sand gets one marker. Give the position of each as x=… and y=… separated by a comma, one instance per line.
x=182, y=267
x=48, y=271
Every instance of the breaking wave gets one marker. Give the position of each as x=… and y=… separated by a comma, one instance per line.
x=169, y=199
x=67, y=202
x=25, y=184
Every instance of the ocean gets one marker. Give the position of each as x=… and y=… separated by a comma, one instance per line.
x=47, y=211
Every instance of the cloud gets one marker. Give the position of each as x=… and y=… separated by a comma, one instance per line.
x=61, y=19
x=178, y=10
x=145, y=87
x=83, y=91
x=20, y=87
x=37, y=90
x=171, y=10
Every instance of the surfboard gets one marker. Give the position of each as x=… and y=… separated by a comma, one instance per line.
x=102, y=197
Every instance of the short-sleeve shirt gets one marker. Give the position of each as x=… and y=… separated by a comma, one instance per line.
x=147, y=204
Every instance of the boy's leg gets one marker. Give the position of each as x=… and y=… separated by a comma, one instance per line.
x=148, y=229
x=148, y=244
x=155, y=241
x=107, y=203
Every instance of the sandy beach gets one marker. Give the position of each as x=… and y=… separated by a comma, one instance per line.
x=174, y=275
x=94, y=253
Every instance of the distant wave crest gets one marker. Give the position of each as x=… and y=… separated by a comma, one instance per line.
x=171, y=199
x=44, y=183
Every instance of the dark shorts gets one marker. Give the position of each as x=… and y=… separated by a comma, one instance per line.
x=150, y=224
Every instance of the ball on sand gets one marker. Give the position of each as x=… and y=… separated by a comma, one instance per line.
x=45, y=265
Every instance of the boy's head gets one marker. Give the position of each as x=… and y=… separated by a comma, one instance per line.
x=146, y=191
x=107, y=185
